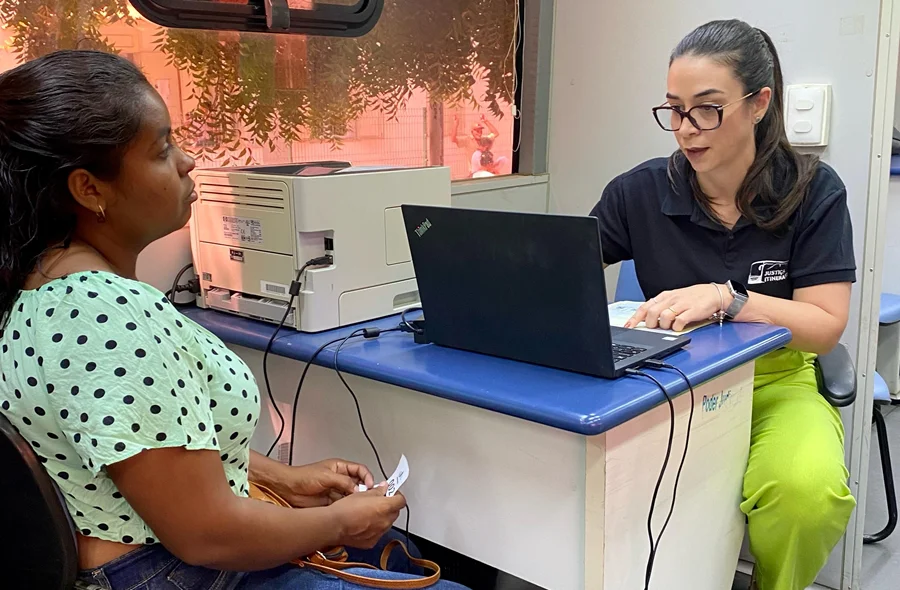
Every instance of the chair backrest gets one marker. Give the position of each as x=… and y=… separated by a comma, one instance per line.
x=628, y=288
x=41, y=551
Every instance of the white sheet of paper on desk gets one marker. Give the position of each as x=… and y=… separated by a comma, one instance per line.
x=621, y=311
x=399, y=476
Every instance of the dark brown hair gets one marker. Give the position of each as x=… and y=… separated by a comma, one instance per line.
x=58, y=113
x=487, y=158
x=779, y=177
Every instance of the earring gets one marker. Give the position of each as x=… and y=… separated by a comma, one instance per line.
x=101, y=215
x=758, y=119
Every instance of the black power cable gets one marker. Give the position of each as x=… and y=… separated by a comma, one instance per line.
x=687, y=439
x=297, y=394
x=294, y=291
x=405, y=324
x=662, y=472
x=353, y=394
x=367, y=333
x=359, y=411
x=654, y=543
x=175, y=286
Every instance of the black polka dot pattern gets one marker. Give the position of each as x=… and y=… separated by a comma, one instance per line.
x=115, y=384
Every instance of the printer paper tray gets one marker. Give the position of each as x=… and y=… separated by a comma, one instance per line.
x=264, y=274
x=266, y=309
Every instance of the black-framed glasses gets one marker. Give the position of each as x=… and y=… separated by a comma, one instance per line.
x=704, y=117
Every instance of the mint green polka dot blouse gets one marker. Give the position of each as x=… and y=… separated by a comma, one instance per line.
x=97, y=368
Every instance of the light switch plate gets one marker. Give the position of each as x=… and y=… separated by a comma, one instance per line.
x=807, y=114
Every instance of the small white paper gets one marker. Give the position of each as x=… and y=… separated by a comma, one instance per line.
x=621, y=311
x=362, y=488
x=399, y=476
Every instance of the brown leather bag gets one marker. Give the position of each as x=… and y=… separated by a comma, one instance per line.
x=334, y=561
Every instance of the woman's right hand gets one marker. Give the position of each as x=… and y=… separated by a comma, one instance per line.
x=365, y=517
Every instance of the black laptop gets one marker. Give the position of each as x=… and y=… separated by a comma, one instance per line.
x=523, y=286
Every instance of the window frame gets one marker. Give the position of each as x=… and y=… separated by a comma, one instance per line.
x=533, y=100
x=530, y=131
x=263, y=16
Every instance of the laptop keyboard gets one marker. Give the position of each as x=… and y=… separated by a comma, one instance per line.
x=621, y=352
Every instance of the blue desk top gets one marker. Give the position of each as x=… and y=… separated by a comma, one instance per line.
x=895, y=165
x=569, y=401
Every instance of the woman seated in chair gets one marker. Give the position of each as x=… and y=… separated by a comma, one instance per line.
x=141, y=417
x=734, y=204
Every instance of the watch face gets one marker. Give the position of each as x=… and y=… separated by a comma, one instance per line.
x=738, y=288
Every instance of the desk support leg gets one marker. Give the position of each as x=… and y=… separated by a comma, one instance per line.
x=699, y=550
x=594, y=511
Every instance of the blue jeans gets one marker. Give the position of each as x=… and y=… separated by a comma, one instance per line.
x=154, y=568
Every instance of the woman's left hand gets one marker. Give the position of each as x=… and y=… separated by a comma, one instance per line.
x=320, y=484
x=673, y=310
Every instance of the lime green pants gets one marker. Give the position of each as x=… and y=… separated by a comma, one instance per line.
x=795, y=490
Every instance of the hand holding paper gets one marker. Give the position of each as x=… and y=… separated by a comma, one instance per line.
x=399, y=476
x=394, y=481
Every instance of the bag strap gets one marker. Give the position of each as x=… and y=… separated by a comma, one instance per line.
x=261, y=492
x=321, y=563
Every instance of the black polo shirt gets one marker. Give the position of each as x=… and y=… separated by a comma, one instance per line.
x=657, y=223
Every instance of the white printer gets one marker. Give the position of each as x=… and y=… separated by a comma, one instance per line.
x=253, y=229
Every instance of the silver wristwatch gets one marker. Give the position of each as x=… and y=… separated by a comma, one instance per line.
x=740, y=295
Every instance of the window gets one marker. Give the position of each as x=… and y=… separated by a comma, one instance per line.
x=341, y=19
x=422, y=88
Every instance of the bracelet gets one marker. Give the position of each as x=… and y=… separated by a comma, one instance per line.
x=719, y=315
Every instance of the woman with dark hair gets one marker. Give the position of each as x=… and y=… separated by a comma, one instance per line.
x=736, y=204
x=140, y=416
x=488, y=166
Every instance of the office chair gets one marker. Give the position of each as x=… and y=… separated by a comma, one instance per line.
x=888, y=315
x=836, y=376
x=883, y=397
x=42, y=552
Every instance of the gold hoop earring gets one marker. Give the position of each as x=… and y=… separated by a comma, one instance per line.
x=101, y=215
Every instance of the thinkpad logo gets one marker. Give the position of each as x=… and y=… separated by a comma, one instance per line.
x=423, y=227
x=768, y=271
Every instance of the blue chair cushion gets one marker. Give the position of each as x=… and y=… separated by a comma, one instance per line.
x=890, y=309
x=881, y=390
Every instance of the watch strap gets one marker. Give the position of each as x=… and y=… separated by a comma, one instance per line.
x=737, y=303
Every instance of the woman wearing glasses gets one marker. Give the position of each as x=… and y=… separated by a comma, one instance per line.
x=736, y=225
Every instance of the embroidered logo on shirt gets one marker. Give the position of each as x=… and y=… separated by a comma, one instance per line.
x=768, y=271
